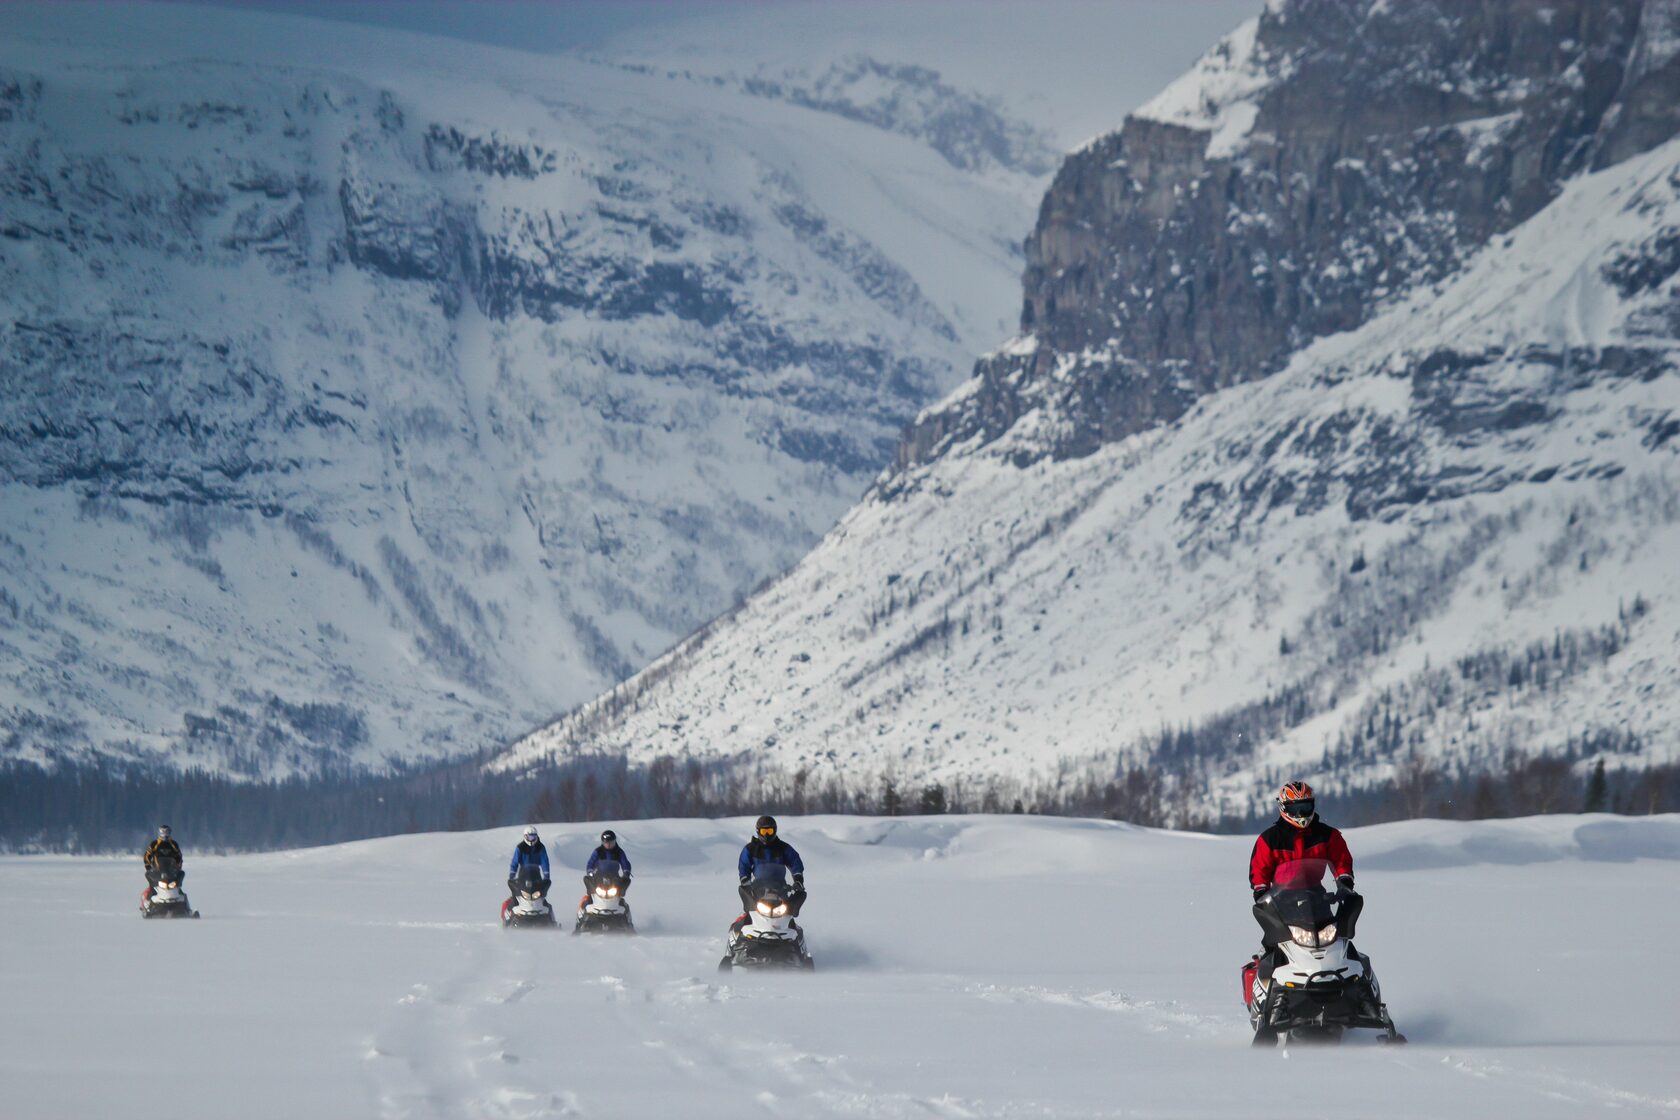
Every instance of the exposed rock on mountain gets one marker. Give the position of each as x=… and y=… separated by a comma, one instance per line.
x=429, y=386
x=1324, y=158
x=1340, y=437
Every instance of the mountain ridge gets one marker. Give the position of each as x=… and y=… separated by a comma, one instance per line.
x=370, y=397
x=1430, y=544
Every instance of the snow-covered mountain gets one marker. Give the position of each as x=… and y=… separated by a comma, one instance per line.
x=372, y=396
x=1339, y=435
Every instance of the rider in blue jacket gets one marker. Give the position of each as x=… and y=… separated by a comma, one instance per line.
x=529, y=852
x=609, y=850
x=767, y=847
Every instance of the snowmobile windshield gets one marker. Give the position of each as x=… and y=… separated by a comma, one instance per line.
x=608, y=870
x=529, y=877
x=770, y=878
x=168, y=865
x=1299, y=895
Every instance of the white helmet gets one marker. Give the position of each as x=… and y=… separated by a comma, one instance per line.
x=530, y=834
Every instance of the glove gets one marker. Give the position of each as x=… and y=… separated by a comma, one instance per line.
x=799, y=881
x=1260, y=892
x=1345, y=883
x=745, y=879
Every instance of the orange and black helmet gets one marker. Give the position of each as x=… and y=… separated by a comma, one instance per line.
x=1295, y=804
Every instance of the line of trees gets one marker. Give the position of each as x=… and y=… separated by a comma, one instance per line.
x=84, y=809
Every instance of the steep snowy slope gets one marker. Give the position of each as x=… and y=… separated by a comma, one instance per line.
x=370, y=396
x=1443, y=535
x=369, y=980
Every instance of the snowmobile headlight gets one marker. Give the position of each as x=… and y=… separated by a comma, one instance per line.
x=612, y=892
x=1313, y=939
x=764, y=908
x=779, y=911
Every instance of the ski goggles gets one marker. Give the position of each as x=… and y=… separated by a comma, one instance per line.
x=1303, y=808
x=767, y=832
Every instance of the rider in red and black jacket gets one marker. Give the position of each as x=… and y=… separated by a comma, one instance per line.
x=1298, y=835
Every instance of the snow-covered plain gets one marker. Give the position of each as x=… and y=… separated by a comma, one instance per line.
x=967, y=967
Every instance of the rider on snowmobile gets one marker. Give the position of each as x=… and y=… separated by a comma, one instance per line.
x=529, y=851
x=608, y=851
x=1299, y=918
x=1299, y=834
x=164, y=847
x=767, y=847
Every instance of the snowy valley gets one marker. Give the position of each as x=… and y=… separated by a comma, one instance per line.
x=1338, y=438
x=370, y=398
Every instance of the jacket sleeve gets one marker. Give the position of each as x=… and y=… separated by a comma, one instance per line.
x=146, y=856
x=1261, y=863
x=743, y=866
x=624, y=859
x=594, y=858
x=1341, y=860
x=795, y=864
x=513, y=864
x=542, y=858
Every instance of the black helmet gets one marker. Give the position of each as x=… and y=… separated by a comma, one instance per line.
x=609, y=837
x=766, y=826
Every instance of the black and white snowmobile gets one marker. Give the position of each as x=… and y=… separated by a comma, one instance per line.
x=528, y=908
x=164, y=898
x=1311, y=984
x=603, y=909
x=767, y=936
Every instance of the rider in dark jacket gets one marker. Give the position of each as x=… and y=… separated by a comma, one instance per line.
x=529, y=851
x=609, y=850
x=164, y=847
x=767, y=847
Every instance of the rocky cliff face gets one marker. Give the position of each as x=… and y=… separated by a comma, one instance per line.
x=1340, y=439
x=1325, y=158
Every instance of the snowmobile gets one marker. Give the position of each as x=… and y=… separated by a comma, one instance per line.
x=603, y=909
x=1311, y=984
x=528, y=908
x=767, y=936
x=164, y=898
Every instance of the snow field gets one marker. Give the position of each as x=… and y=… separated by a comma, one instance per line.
x=967, y=966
